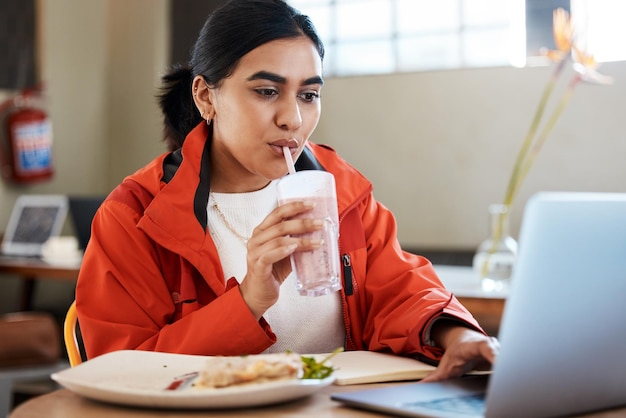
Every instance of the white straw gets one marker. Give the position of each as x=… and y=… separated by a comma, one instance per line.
x=289, y=160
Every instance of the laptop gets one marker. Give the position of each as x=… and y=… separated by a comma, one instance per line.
x=562, y=336
x=82, y=211
x=34, y=219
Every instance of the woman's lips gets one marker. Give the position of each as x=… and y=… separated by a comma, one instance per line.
x=277, y=147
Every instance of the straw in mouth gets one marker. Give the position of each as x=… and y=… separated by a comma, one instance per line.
x=289, y=160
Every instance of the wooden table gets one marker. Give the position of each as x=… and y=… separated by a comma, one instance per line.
x=31, y=269
x=487, y=307
x=65, y=404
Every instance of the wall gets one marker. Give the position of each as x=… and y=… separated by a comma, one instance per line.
x=73, y=70
x=138, y=46
x=439, y=146
x=101, y=62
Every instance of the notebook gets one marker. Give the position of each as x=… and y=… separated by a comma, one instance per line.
x=82, y=211
x=358, y=367
x=563, y=339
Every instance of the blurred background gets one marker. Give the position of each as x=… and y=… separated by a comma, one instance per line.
x=430, y=101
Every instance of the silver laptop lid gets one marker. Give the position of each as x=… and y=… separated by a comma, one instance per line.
x=563, y=333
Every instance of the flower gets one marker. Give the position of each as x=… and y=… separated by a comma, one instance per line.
x=563, y=31
x=585, y=70
x=585, y=65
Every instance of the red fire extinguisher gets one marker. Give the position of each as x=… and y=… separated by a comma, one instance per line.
x=26, y=139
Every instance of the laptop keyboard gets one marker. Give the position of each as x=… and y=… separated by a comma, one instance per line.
x=469, y=405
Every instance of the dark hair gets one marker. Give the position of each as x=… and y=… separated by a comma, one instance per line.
x=230, y=32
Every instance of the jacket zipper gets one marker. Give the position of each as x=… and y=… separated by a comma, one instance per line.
x=347, y=274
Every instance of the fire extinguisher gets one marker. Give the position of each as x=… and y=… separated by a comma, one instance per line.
x=25, y=139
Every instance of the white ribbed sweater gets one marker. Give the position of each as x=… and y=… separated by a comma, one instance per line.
x=302, y=324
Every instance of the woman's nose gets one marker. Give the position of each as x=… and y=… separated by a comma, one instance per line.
x=289, y=116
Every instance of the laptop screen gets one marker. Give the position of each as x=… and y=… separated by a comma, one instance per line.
x=82, y=211
x=34, y=219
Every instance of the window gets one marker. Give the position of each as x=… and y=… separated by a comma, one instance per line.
x=18, y=47
x=600, y=23
x=386, y=36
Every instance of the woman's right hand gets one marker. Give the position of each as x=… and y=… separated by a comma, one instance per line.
x=269, y=248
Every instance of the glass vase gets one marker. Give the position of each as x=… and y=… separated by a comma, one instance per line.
x=495, y=257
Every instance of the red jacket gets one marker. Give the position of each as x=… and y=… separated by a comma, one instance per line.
x=151, y=278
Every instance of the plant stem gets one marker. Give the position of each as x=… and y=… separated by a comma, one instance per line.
x=522, y=155
x=528, y=140
x=567, y=95
x=522, y=163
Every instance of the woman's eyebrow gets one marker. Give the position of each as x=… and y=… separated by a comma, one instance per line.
x=313, y=80
x=266, y=75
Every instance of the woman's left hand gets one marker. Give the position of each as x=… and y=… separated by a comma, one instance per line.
x=465, y=350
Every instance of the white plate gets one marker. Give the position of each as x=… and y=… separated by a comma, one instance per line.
x=140, y=378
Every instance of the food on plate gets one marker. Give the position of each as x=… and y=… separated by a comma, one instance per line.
x=224, y=371
x=314, y=369
x=228, y=371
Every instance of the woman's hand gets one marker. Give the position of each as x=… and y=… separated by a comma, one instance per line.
x=465, y=350
x=269, y=249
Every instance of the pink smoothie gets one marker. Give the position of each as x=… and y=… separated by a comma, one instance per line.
x=318, y=271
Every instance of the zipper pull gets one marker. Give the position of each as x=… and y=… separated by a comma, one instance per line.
x=347, y=274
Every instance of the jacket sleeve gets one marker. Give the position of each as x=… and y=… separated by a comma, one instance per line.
x=123, y=301
x=402, y=292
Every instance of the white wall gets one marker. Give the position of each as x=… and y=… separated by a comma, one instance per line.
x=439, y=146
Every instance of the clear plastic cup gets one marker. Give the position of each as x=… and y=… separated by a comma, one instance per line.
x=317, y=272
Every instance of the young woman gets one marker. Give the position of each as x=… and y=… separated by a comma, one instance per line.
x=191, y=253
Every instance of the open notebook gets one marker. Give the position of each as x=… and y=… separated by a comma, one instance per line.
x=357, y=367
x=562, y=335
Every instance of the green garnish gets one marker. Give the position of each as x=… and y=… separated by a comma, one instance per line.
x=314, y=369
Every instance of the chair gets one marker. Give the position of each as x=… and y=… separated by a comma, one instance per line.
x=11, y=375
x=31, y=346
x=69, y=335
